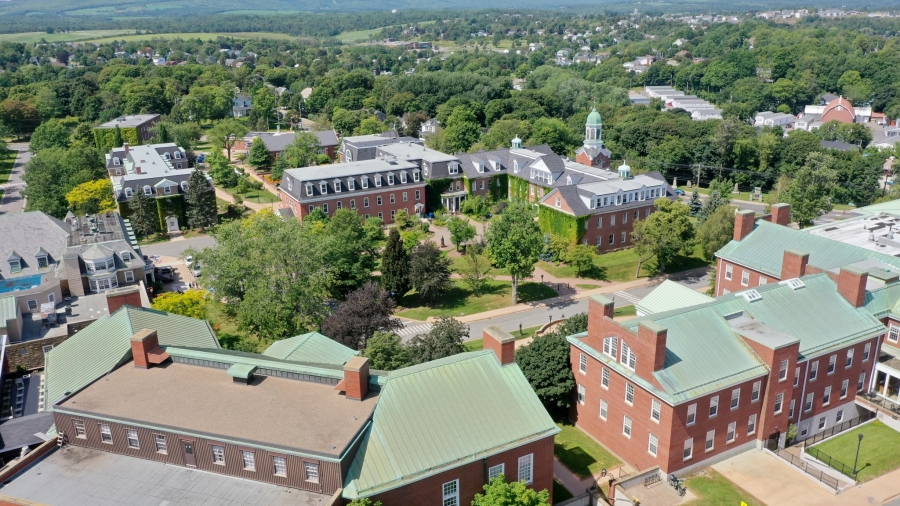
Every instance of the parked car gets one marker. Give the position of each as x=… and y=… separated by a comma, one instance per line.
x=201, y=158
x=196, y=271
x=166, y=273
x=188, y=260
x=679, y=192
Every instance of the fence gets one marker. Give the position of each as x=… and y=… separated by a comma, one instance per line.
x=841, y=427
x=815, y=473
x=831, y=462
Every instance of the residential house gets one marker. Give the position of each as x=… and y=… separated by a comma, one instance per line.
x=429, y=126
x=277, y=142
x=241, y=105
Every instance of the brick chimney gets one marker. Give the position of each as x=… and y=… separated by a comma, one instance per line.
x=125, y=296
x=781, y=214
x=356, y=378
x=145, y=349
x=126, y=146
x=852, y=285
x=793, y=264
x=501, y=342
x=652, y=337
x=598, y=308
x=743, y=224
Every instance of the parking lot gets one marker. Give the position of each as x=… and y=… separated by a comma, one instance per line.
x=183, y=277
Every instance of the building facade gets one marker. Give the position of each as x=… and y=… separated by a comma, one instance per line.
x=135, y=129
x=277, y=142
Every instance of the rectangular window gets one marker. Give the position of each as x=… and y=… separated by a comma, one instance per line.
x=365, y=182
x=807, y=406
x=418, y=194
x=351, y=184
x=612, y=220
x=691, y=414
x=380, y=216
x=849, y=358
x=728, y=271
x=167, y=189
x=629, y=359
x=745, y=278
x=839, y=416
x=714, y=406
x=582, y=363
x=129, y=276
x=861, y=382
x=779, y=402
x=79, y=428
x=688, y=449
x=730, y=435
x=763, y=280
x=393, y=199
x=105, y=434
x=604, y=378
x=612, y=239
x=804, y=430
x=893, y=332
x=279, y=466
x=526, y=468
x=845, y=386
x=624, y=218
x=600, y=222
x=311, y=208
x=624, y=237
x=160, y=443
x=626, y=426
x=791, y=413
x=610, y=346
x=782, y=370
x=604, y=409
x=42, y=262
x=405, y=198
x=653, y=446
x=325, y=208
x=378, y=200
x=450, y=493
x=581, y=394
x=311, y=470
x=797, y=376
x=249, y=459
x=366, y=202
x=495, y=471
x=132, y=436
x=866, y=351
x=32, y=305
x=826, y=396
x=710, y=440
x=832, y=363
x=655, y=410
x=352, y=203
x=416, y=175
x=814, y=370
x=821, y=422
x=735, y=398
x=629, y=393
x=218, y=455
x=751, y=424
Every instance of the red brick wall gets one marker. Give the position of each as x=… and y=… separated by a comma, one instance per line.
x=301, y=210
x=592, y=232
x=734, y=284
x=768, y=421
x=600, y=161
x=472, y=477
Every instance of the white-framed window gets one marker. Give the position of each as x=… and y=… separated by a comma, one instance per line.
x=279, y=466
x=365, y=201
x=629, y=393
x=779, y=402
x=365, y=182
x=822, y=421
x=893, y=332
x=416, y=176
x=655, y=410
x=160, y=441
x=754, y=394
x=604, y=378
x=351, y=184
x=782, y=370
x=340, y=205
x=581, y=394
x=403, y=177
x=218, y=454
x=849, y=358
x=653, y=445
x=735, y=398
x=495, y=471
x=797, y=376
x=839, y=416
x=131, y=436
x=600, y=222
x=352, y=203
x=526, y=468
x=624, y=237
x=582, y=363
x=714, y=406
x=763, y=280
x=405, y=197
x=323, y=188
x=117, y=161
x=312, y=208
x=624, y=218
x=745, y=277
x=390, y=178
x=147, y=190
x=612, y=220
x=629, y=359
x=604, y=409
x=730, y=435
x=751, y=424
x=453, y=168
x=610, y=346
x=791, y=412
x=184, y=185
x=710, y=440
x=558, y=202
x=729, y=269
x=845, y=386
x=129, y=276
x=688, y=451
x=814, y=370
x=804, y=430
x=826, y=396
x=325, y=208
x=42, y=262
x=105, y=434
x=79, y=428
x=832, y=364
x=249, y=459
x=807, y=406
x=418, y=195
x=129, y=193
x=337, y=186
x=626, y=426
x=311, y=471
x=691, y=414
x=450, y=493
x=392, y=198
x=866, y=351
x=309, y=188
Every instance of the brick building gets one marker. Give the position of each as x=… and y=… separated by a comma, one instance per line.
x=307, y=413
x=142, y=124
x=378, y=187
x=277, y=142
x=685, y=388
x=593, y=152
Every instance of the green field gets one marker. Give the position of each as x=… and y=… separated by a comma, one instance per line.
x=358, y=35
x=877, y=452
x=7, y=160
x=75, y=35
x=459, y=300
x=714, y=489
x=194, y=35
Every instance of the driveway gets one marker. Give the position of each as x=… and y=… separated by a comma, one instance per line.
x=12, y=200
x=177, y=248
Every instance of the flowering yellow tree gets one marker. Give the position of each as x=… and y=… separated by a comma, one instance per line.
x=190, y=303
x=92, y=197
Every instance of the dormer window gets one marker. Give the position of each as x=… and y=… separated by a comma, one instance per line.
x=497, y=165
x=351, y=184
x=377, y=180
x=403, y=177
x=416, y=176
x=184, y=186
x=15, y=265
x=337, y=186
x=178, y=155
x=323, y=187
x=148, y=191
x=365, y=182
x=390, y=179
x=126, y=256
x=516, y=166
x=167, y=189
x=128, y=193
x=290, y=183
x=168, y=156
x=481, y=167
x=42, y=261
x=117, y=161
x=309, y=188
x=454, y=168
x=568, y=180
x=348, y=156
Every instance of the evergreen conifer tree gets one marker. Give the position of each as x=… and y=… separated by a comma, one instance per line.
x=395, y=266
x=143, y=214
x=258, y=155
x=200, y=203
x=696, y=205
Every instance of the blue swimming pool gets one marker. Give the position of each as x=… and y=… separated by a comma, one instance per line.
x=23, y=283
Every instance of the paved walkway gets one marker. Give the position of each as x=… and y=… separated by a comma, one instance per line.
x=222, y=194
x=11, y=198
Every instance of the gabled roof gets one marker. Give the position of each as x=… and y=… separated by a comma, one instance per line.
x=670, y=295
x=441, y=415
x=104, y=344
x=312, y=348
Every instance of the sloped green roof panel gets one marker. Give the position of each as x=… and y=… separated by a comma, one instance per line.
x=311, y=348
x=242, y=371
x=7, y=310
x=443, y=414
x=670, y=295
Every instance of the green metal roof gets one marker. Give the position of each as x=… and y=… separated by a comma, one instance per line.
x=243, y=371
x=890, y=207
x=443, y=414
x=763, y=250
x=105, y=344
x=670, y=295
x=704, y=354
x=7, y=310
x=312, y=348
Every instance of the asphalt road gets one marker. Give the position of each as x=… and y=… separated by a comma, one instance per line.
x=176, y=248
x=12, y=200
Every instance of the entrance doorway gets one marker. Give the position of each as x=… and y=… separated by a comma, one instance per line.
x=189, y=458
x=772, y=442
x=172, y=224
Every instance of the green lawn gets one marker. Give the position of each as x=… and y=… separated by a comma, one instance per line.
x=478, y=344
x=457, y=264
x=358, y=35
x=258, y=196
x=7, y=160
x=877, y=453
x=560, y=493
x=621, y=266
x=32, y=37
x=587, y=286
x=625, y=311
x=714, y=489
x=460, y=301
x=580, y=453
x=192, y=35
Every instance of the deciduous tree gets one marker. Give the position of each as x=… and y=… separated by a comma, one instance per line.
x=545, y=363
x=462, y=129
x=460, y=231
x=476, y=270
x=49, y=134
x=367, y=310
x=190, y=303
x=92, y=197
x=514, y=243
x=222, y=173
x=665, y=234
x=225, y=133
x=395, y=266
x=809, y=190
x=386, y=352
x=581, y=257
x=716, y=232
x=443, y=340
x=500, y=493
x=53, y=172
x=258, y=154
x=429, y=271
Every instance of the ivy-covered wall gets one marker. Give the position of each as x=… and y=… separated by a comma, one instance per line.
x=433, y=190
x=518, y=188
x=561, y=224
x=499, y=192
x=106, y=138
x=174, y=205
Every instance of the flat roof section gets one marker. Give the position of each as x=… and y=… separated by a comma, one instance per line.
x=76, y=476
x=129, y=121
x=289, y=414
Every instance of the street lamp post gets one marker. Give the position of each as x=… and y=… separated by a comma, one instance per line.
x=856, y=461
